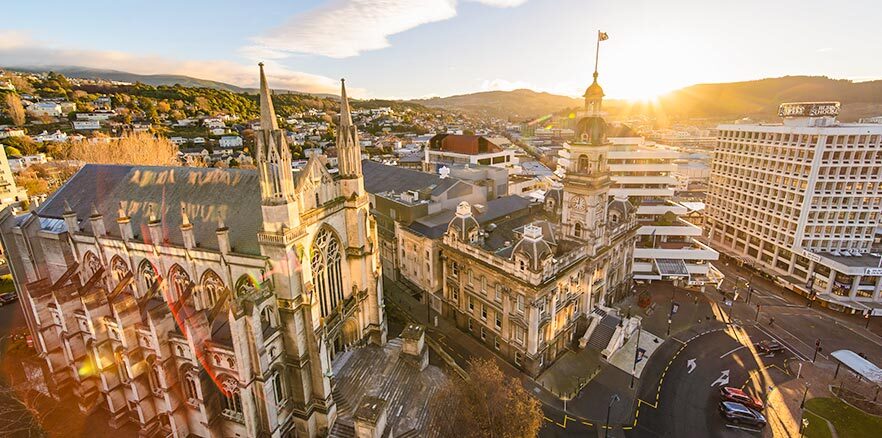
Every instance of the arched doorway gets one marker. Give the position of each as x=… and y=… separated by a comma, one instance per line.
x=350, y=333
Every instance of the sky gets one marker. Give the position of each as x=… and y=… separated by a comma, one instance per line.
x=422, y=48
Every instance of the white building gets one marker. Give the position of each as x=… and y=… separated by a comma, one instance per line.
x=101, y=115
x=667, y=248
x=85, y=125
x=45, y=136
x=801, y=200
x=230, y=141
x=51, y=109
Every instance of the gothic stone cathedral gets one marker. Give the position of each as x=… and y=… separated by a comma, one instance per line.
x=203, y=302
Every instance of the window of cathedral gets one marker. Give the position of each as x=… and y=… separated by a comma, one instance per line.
x=577, y=230
x=278, y=390
x=267, y=316
x=91, y=264
x=191, y=387
x=326, y=270
x=119, y=268
x=212, y=288
x=232, y=403
x=180, y=282
x=122, y=369
x=155, y=381
x=245, y=285
x=147, y=273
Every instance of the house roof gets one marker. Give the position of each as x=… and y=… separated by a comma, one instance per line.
x=205, y=193
x=463, y=144
x=379, y=178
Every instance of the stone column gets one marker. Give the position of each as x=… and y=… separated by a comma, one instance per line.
x=855, y=283
x=877, y=291
x=830, y=279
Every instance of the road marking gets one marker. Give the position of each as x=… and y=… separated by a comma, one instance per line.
x=723, y=380
x=733, y=426
x=690, y=364
x=732, y=351
x=784, y=344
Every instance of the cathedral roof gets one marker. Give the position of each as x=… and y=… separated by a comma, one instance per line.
x=205, y=193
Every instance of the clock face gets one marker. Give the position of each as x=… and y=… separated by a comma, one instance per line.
x=579, y=204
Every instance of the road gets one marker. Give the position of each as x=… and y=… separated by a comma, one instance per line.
x=683, y=398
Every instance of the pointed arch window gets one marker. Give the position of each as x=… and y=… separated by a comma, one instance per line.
x=326, y=270
x=148, y=274
x=91, y=264
x=180, y=281
x=232, y=400
x=212, y=288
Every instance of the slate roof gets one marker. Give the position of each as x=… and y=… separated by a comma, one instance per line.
x=206, y=193
x=379, y=178
x=435, y=225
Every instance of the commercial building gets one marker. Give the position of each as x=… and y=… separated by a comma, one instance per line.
x=668, y=246
x=802, y=200
x=447, y=149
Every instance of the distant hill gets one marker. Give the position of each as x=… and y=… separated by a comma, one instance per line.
x=757, y=99
x=121, y=76
x=515, y=105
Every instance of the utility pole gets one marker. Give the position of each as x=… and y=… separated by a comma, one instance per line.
x=612, y=401
x=671, y=311
x=756, y=318
x=817, y=348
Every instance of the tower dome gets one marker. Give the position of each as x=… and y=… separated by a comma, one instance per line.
x=463, y=226
x=532, y=247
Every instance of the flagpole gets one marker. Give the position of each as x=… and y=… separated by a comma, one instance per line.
x=597, y=54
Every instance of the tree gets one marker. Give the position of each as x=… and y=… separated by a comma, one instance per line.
x=14, y=109
x=488, y=404
x=12, y=152
x=138, y=148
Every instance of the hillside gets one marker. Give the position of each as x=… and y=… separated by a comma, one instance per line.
x=515, y=105
x=121, y=76
x=758, y=99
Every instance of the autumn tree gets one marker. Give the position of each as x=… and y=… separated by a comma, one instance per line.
x=14, y=109
x=488, y=404
x=139, y=148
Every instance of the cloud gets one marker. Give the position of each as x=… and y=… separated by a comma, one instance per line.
x=345, y=28
x=504, y=85
x=18, y=49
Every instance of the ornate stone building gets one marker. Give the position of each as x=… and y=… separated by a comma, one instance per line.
x=525, y=285
x=203, y=302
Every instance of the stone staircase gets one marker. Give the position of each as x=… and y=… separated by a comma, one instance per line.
x=604, y=332
x=342, y=429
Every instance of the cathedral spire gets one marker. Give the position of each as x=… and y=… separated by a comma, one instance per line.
x=345, y=113
x=348, y=148
x=267, y=112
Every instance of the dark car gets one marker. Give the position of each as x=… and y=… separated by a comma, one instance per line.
x=738, y=396
x=7, y=298
x=769, y=347
x=737, y=413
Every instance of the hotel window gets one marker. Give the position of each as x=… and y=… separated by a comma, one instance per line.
x=470, y=277
x=498, y=297
x=470, y=324
x=517, y=358
x=454, y=269
x=483, y=312
x=483, y=284
x=483, y=333
x=471, y=304
x=499, y=320
x=520, y=304
x=496, y=343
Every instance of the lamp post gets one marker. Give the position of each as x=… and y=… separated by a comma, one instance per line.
x=636, y=353
x=671, y=311
x=612, y=401
x=802, y=409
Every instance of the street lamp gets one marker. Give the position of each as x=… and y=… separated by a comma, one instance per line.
x=636, y=353
x=612, y=401
x=803, y=422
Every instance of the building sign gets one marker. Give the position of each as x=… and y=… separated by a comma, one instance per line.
x=873, y=272
x=811, y=256
x=809, y=109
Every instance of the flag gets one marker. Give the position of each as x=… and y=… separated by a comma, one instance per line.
x=602, y=36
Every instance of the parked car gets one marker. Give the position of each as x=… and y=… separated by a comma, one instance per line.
x=738, y=396
x=769, y=347
x=7, y=298
x=737, y=413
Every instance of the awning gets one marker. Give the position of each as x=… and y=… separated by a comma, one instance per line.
x=672, y=267
x=859, y=365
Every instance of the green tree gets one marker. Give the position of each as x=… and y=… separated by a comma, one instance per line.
x=12, y=152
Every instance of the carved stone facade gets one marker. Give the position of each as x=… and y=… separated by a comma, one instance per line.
x=202, y=302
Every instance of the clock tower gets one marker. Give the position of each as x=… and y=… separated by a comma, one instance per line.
x=586, y=182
